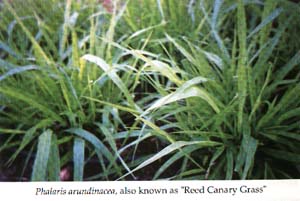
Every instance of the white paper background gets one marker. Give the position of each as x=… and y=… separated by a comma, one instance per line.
x=273, y=190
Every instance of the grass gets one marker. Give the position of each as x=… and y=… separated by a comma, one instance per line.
x=149, y=90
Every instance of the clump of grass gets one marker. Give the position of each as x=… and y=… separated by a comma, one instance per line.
x=45, y=96
x=245, y=100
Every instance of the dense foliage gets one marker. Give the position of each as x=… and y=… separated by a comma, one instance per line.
x=149, y=89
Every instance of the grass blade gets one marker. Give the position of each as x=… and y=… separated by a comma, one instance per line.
x=6, y=65
x=17, y=71
x=214, y=27
x=54, y=161
x=245, y=157
x=161, y=11
x=266, y=21
x=183, y=51
x=269, y=6
x=41, y=55
x=250, y=152
x=30, y=100
x=174, y=158
x=169, y=149
x=29, y=135
x=216, y=11
x=91, y=139
x=241, y=71
x=212, y=162
x=229, y=166
x=112, y=143
x=65, y=28
x=112, y=74
x=42, y=156
x=293, y=63
x=283, y=155
x=164, y=69
x=185, y=91
x=119, y=107
x=7, y=49
x=78, y=158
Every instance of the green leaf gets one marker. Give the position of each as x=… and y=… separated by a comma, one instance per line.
x=164, y=69
x=78, y=158
x=293, y=63
x=216, y=11
x=65, y=28
x=100, y=148
x=169, y=149
x=140, y=138
x=269, y=6
x=54, y=161
x=141, y=31
x=30, y=134
x=287, y=115
x=259, y=97
x=214, y=27
x=279, y=139
x=120, y=107
x=246, y=155
x=182, y=50
x=155, y=128
x=267, y=48
x=110, y=139
x=216, y=155
x=174, y=158
x=75, y=50
x=293, y=136
x=194, y=173
x=11, y=131
x=17, y=71
x=30, y=100
x=42, y=156
x=266, y=21
x=112, y=74
x=187, y=90
x=161, y=10
x=250, y=153
x=91, y=138
x=283, y=155
x=6, y=65
x=7, y=49
x=242, y=61
x=229, y=166
x=40, y=54
x=290, y=97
